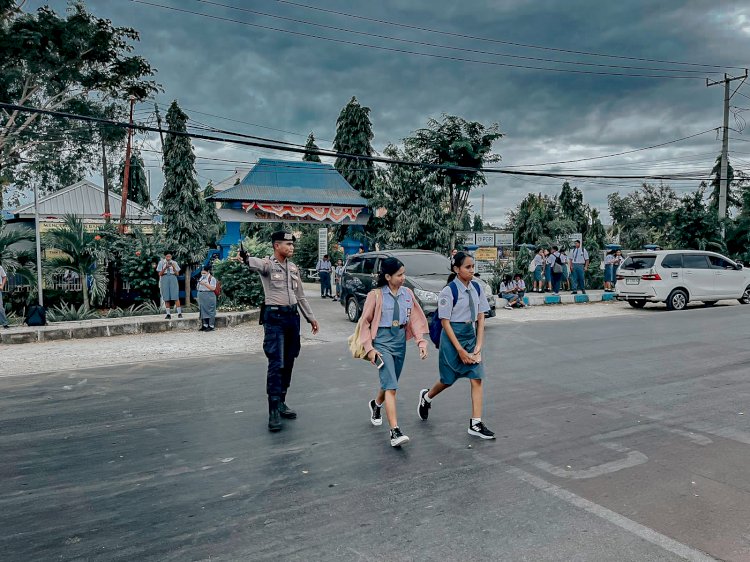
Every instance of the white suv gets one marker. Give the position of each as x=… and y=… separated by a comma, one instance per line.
x=679, y=276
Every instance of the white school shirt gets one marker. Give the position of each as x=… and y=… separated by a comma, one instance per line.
x=520, y=285
x=538, y=260
x=579, y=255
x=608, y=259
x=461, y=312
x=506, y=288
x=210, y=279
x=168, y=270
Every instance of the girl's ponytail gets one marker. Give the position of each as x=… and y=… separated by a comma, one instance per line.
x=456, y=261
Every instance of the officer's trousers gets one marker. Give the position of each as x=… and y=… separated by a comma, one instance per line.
x=281, y=345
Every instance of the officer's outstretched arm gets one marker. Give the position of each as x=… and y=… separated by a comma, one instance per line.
x=261, y=265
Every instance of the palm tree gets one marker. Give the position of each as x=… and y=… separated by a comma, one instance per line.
x=13, y=260
x=79, y=255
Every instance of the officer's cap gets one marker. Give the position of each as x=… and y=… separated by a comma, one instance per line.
x=282, y=236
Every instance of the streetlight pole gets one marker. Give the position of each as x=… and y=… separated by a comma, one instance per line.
x=37, y=230
x=126, y=174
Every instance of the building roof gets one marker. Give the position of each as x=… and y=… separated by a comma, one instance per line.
x=84, y=199
x=293, y=181
x=232, y=180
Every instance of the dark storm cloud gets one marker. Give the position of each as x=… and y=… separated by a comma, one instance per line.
x=299, y=84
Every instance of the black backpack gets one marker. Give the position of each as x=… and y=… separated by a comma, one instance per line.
x=36, y=315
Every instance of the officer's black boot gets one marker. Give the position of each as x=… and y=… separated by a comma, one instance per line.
x=274, y=420
x=285, y=411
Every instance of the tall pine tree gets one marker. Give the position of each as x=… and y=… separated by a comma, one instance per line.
x=138, y=191
x=354, y=136
x=182, y=203
x=311, y=146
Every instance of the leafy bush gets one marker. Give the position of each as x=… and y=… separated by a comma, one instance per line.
x=68, y=313
x=132, y=310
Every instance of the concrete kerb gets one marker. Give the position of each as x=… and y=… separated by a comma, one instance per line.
x=104, y=327
x=537, y=299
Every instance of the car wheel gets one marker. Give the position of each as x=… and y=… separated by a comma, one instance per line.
x=745, y=298
x=637, y=303
x=352, y=309
x=710, y=303
x=677, y=300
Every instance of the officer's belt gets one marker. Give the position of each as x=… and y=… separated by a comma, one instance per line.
x=291, y=309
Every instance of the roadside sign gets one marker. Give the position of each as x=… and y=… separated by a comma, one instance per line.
x=486, y=254
x=322, y=242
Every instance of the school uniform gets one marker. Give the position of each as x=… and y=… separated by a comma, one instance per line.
x=552, y=260
x=207, y=301
x=324, y=268
x=609, y=261
x=506, y=291
x=578, y=259
x=339, y=273
x=170, y=290
x=548, y=270
x=463, y=320
x=3, y=318
x=520, y=287
x=538, y=265
x=390, y=338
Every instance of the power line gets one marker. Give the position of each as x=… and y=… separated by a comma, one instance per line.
x=500, y=41
x=328, y=153
x=450, y=47
x=405, y=51
x=616, y=153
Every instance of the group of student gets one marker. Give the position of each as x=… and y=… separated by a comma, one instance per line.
x=513, y=289
x=556, y=268
x=391, y=315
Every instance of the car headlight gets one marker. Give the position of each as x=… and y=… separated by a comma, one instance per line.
x=427, y=297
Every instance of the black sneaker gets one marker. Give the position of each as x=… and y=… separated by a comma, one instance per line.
x=286, y=412
x=398, y=438
x=480, y=430
x=179, y=315
x=168, y=317
x=376, y=417
x=423, y=406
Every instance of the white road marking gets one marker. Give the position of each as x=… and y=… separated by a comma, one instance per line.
x=632, y=458
x=647, y=534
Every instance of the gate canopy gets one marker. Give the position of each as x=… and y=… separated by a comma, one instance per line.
x=294, y=191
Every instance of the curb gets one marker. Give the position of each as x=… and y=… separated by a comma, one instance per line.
x=537, y=299
x=136, y=325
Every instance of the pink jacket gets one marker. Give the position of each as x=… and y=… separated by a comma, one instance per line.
x=372, y=310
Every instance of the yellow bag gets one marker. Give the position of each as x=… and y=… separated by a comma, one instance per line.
x=355, y=347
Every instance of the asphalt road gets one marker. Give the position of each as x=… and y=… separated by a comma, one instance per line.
x=618, y=439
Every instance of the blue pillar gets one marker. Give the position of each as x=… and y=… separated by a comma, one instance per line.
x=231, y=237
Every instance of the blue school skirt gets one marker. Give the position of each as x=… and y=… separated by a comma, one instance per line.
x=548, y=272
x=391, y=344
x=170, y=290
x=608, y=274
x=451, y=367
x=538, y=273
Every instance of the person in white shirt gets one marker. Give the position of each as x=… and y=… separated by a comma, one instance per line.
x=338, y=273
x=579, y=264
x=520, y=288
x=3, y=281
x=207, y=299
x=538, y=262
x=609, y=260
x=507, y=292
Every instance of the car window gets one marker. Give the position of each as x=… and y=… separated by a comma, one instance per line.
x=354, y=265
x=692, y=261
x=672, y=261
x=425, y=264
x=720, y=263
x=638, y=262
x=368, y=266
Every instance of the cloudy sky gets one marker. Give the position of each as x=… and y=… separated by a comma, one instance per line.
x=284, y=82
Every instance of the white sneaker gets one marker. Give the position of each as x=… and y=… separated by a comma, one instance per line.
x=398, y=438
x=376, y=418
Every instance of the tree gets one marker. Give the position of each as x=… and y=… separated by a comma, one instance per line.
x=477, y=225
x=181, y=201
x=13, y=260
x=213, y=225
x=453, y=141
x=533, y=219
x=79, y=255
x=138, y=190
x=693, y=225
x=417, y=209
x=310, y=145
x=76, y=63
x=354, y=136
x=597, y=234
x=643, y=216
x=573, y=208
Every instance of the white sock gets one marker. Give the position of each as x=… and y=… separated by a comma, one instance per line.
x=427, y=397
x=167, y=310
x=475, y=421
x=378, y=405
x=179, y=310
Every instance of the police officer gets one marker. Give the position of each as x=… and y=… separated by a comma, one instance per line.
x=579, y=264
x=284, y=300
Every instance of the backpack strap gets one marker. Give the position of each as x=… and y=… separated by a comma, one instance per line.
x=454, y=291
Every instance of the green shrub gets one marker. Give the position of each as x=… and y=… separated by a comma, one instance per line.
x=67, y=313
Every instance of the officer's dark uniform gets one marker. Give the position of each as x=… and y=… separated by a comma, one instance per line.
x=284, y=300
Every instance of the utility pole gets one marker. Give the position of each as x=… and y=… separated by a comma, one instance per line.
x=126, y=177
x=158, y=122
x=107, y=211
x=723, y=179
x=38, y=233
x=482, y=206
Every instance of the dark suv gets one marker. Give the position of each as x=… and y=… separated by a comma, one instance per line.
x=426, y=274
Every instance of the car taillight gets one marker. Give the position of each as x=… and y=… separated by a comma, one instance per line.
x=620, y=277
x=651, y=277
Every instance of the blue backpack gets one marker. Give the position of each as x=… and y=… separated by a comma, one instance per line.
x=436, y=326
